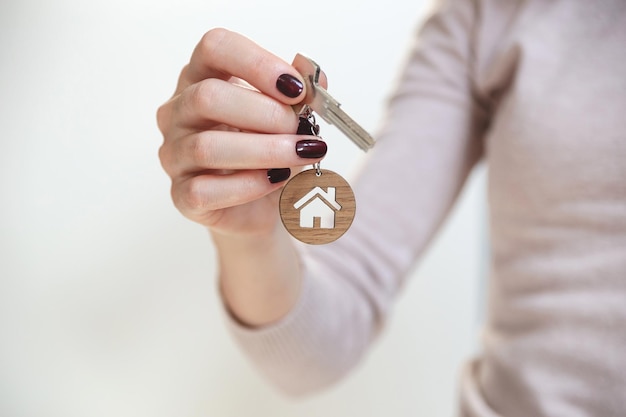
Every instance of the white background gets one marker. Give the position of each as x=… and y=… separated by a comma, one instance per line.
x=107, y=295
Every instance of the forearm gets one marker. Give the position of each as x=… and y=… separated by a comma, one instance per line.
x=260, y=276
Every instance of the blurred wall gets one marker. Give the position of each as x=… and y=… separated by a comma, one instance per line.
x=107, y=295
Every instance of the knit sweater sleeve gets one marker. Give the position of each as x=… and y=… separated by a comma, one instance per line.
x=429, y=141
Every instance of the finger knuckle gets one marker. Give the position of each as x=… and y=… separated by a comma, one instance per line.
x=202, y=150
x=259, y=64
x=165, y=157
x=212, y=41
x=192, y=196
x=163, y=115
x=203, y=96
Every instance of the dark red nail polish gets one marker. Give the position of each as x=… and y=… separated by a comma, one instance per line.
x=277, y=175
x=289, y=85
x=311, y=148
x=305, y=127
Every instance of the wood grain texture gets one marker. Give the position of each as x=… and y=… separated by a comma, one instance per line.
x=301, y=191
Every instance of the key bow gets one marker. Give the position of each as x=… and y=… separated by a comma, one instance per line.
x=318, y=100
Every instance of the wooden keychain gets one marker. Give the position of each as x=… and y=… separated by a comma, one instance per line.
x=317, y=206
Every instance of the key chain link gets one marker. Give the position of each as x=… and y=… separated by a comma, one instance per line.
x=318, y=169
x=312, y=128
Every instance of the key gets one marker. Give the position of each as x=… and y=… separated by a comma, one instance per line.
x=318, y=100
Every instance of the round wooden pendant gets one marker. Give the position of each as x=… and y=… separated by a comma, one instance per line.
x=317, y=209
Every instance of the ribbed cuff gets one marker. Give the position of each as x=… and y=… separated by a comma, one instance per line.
x=288, y=352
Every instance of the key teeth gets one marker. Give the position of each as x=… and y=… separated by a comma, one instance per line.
x=356, y=133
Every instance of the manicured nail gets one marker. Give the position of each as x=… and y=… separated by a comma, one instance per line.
x=305, y=127
x=289, y=85
x=277, y=175
x=311, y=148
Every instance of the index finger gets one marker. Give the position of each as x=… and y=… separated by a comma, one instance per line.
x=224, y=54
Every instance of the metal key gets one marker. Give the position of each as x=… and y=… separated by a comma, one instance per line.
x=318, y=99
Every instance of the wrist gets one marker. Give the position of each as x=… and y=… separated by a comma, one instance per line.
x=259, y=275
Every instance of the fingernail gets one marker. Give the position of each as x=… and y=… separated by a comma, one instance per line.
x=289, y=85
x=305, y=127
x=277, y=175
x=311, y=148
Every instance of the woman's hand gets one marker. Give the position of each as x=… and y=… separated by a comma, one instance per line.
x=229, y=135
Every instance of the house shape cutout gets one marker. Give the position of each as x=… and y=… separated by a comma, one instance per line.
x=320, y=204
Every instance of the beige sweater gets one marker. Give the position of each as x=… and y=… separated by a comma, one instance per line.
x=537, y=89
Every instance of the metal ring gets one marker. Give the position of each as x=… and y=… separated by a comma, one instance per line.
x=318, y=170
